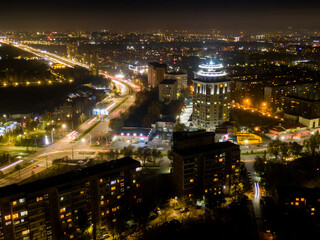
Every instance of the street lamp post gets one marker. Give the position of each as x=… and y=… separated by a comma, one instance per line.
x=246, y=142
x=52, y=135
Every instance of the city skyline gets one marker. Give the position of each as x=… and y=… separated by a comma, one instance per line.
x=233, y=16
x=159, y=120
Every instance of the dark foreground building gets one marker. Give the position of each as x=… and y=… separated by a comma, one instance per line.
x=201, y=166
x=64, y=206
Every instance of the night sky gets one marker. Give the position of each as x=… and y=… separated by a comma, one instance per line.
x=227, y=15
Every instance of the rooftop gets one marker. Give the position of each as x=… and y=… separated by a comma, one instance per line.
x=107, y=167
x=168, y=81
x=133, y=130
x=158, y=65
x=214, y=147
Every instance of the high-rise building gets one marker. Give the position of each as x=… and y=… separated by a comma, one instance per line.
x=60, y=207
x=211, y=96
x=156, y=73
x=201, y=166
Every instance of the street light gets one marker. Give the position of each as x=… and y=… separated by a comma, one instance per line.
x=247, y=102
x=52, y=135
x=20, y=139
x=246, y=142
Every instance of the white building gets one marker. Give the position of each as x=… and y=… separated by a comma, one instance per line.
x=211, y=96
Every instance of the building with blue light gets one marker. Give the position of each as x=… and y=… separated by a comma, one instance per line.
x=211, y=96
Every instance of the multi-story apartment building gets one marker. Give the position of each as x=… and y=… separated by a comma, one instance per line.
x=168, y=90
x=299, y=102
x=61, y=207
x=211, y=96
x=156, y=73
x=182, y=78
x=201, y=166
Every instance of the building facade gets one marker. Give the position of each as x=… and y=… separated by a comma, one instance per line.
x=61, y=207
x=211, y=96
x=201, y=166
x=156, y=73
x=182, y=78
x=168, y=90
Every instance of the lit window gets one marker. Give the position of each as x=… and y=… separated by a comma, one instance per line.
x=8, y=217
x=14, y=203
x=24, y=213
x=62, y=210
x=102, y=202
x=191, y=180
x=16, y=215
x=39, y=199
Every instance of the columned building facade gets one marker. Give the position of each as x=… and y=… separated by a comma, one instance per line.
x=211, y=96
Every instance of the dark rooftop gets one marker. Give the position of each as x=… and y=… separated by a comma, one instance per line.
x=68, y=177
x=133, y=130
x=168, y=81
x=206, y=148
x=158, y=65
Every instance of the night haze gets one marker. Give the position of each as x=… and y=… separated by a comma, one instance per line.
x=159, y=120
x=232, y=16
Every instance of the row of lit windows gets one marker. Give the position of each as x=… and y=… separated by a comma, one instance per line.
x=16, y=215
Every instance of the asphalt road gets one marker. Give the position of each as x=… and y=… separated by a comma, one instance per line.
x=67, y=146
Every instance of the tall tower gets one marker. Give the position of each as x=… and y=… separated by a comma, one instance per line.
x=156, y=73
x=211, y=96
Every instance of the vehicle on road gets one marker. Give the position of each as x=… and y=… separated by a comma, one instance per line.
x=35, y=166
